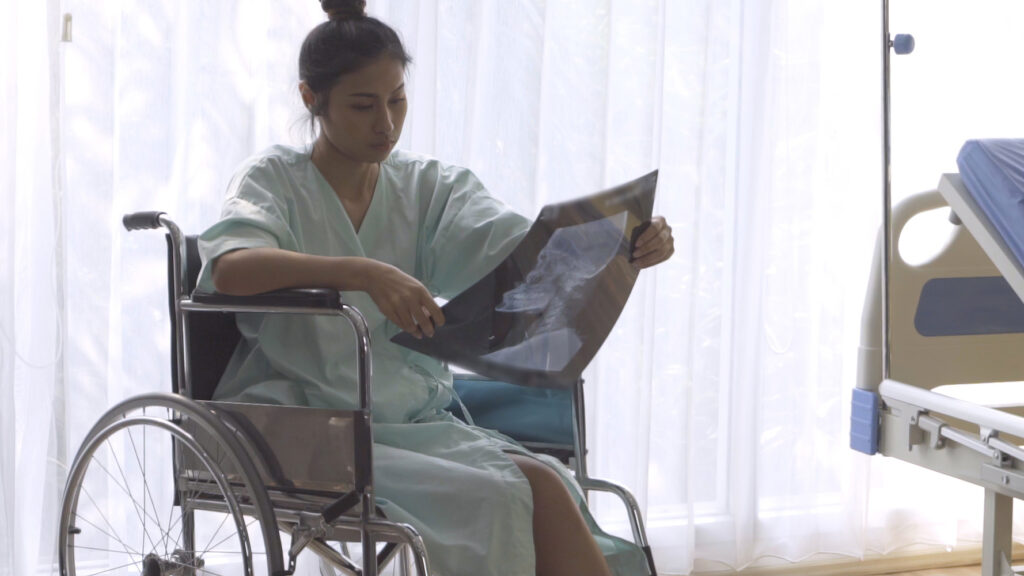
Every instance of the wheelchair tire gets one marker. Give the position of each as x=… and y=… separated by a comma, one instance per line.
x=161, y=486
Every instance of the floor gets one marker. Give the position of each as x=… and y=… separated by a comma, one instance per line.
x=961, y=571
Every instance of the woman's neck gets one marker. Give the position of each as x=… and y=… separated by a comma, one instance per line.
x=352, y=180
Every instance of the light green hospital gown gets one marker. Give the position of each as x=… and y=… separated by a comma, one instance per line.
x=453, y=482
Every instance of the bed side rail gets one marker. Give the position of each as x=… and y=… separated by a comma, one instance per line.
x=952, y=436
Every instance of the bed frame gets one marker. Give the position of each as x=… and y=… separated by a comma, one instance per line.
x=956, y=319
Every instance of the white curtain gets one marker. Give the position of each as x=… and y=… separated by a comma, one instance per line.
x=721, y=399
x=33, y=321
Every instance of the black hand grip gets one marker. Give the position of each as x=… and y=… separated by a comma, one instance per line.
x=142, y=220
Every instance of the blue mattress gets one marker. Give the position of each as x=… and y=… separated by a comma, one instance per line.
x=993, y=171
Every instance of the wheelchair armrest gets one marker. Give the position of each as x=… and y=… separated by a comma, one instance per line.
x=636, y=521
x=324, y=298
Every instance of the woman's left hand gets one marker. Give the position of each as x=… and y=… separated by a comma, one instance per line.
x=655, y=245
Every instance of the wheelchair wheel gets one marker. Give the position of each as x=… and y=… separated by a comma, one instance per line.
x=160, y=486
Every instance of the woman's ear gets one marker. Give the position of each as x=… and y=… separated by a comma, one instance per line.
x=308, y=97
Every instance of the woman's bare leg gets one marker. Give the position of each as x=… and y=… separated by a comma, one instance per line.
x=563, y=543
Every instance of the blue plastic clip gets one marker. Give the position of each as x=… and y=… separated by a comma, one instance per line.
x=864, y=421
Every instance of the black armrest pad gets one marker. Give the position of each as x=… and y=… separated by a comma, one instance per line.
x=325, y=298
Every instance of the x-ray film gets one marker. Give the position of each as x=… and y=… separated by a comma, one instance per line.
x=541, y=315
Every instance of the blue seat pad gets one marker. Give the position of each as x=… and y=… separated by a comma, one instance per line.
x=524, y=413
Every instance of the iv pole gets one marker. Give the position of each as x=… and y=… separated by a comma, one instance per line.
x=901, y=44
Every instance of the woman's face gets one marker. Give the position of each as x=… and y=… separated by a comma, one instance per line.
x=365, y=111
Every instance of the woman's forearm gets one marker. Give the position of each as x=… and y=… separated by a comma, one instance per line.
x=257, y=270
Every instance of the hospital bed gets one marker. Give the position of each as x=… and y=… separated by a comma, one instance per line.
x=176, y=483
x=955, y=319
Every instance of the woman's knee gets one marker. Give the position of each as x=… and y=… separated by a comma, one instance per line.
x=562, y=541
x=536, y=471
x=547, y=486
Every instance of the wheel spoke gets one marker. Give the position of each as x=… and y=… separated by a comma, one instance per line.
x=109, y=525
x=170, y=509
x=97, y=549
x=180, y=518
x=214, y=535
x=114, y=568
x=127, y=550
x=197, y=479
x=223, y=540
x=131, y=496
x=127, y=492
x=206, y=570
x=191, y=495
x=196, y=566
x=165, y=537
x=145, y=485
x=116, y=483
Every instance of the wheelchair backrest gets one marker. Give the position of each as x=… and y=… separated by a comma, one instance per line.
x=211, y=338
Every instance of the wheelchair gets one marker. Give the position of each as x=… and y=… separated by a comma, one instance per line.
x=178, y=484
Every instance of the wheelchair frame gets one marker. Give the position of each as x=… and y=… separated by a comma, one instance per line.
x=248, y=475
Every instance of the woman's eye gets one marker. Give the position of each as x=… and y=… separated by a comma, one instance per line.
x=363, y=107
x=397, y=100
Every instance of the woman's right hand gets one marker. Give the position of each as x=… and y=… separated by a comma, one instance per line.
x=400, y=297
x=403, y=300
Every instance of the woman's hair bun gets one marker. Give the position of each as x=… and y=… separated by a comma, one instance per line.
x=344, y=9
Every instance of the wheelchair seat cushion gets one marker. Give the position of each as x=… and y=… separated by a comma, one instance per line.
x=525, y=414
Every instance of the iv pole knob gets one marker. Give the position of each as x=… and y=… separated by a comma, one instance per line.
x=903, y=44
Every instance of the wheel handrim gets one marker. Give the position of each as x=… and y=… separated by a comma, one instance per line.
x=130, y=462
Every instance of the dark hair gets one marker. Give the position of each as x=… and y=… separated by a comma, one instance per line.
x=345, y=43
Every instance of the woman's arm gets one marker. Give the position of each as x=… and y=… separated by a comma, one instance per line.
x=400, y=297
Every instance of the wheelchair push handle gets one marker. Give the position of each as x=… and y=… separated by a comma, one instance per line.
x=142, y=220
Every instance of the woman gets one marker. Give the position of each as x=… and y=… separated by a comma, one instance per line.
x=393, y=230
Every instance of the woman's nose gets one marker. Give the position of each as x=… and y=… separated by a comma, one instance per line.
x=384, y=124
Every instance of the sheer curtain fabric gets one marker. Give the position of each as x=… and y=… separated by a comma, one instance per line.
x=722, y=396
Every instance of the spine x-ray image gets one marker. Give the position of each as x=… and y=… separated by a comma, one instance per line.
x=542, y=314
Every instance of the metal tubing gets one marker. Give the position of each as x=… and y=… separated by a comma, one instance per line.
x=997, y=545
x=579, y=430
x=633, y=509
x=369, y=545
x=336, y=559
x=345, y=528
x=365, y=364
x=934, y=402
x=886, y=193
x=387, y=554
x=419, y=551
x=1007, y=448
x=179, y=283
x=940, y=430
x=365, y=371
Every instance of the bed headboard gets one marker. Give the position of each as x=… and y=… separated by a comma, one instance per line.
x=955, y=319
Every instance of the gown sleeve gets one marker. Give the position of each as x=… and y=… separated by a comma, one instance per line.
x=468, y=232
x=255, y=215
